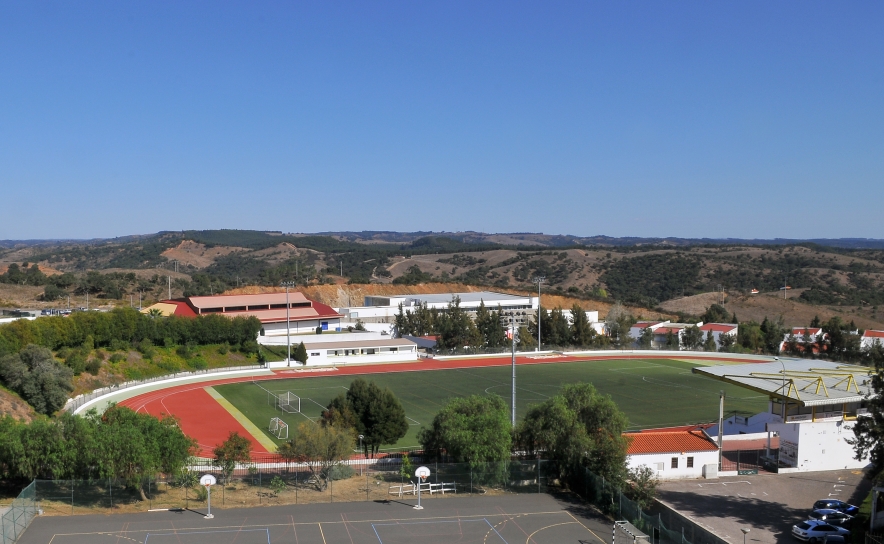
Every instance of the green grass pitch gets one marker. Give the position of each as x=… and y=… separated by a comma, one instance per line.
x=652, y=393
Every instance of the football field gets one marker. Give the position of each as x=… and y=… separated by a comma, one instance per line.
x=652, y=393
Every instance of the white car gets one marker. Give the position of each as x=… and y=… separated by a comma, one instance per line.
x=816, y=531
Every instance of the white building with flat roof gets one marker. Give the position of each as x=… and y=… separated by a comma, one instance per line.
x=335, y=349
x=523, y=307
x=812, y=408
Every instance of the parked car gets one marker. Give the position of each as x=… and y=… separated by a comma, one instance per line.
x=833, y=517
x=816, y=531
x=835, y=504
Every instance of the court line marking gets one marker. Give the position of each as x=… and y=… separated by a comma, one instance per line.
x=380, y=521
x=587, y=528
x=547, y=527
x=175, y=533
x=321, y=532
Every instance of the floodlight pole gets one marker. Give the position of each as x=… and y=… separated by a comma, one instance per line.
x=539, y=280
x=513, y=316
x=288, y=333
x=786, y=397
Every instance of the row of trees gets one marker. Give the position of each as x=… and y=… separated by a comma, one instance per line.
x=118, y=444
x=577, y=429
x=456, y=330
x=126, y=326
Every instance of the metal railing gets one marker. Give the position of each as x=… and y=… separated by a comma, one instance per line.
x=78, y=401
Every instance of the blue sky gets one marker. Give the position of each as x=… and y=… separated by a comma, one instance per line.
x=692, y=119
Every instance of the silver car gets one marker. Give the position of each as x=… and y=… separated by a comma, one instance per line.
x=816, y=531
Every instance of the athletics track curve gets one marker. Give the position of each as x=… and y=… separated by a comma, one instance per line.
x=203, y=418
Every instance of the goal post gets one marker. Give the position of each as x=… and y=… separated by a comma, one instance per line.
x=289, y=403
x=627, y=533
x=279, y=428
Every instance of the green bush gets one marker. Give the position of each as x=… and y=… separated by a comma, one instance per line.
x=168, y=364
x=168, y=343
x=93, y=366
x=117, y=357
x=340, y=472
x=249, y=347
x=146, y=348
x=76, y=361
x=197, y=363
x=224, y=348
x=119, y=345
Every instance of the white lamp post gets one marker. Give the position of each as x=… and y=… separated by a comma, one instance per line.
x=745, y=531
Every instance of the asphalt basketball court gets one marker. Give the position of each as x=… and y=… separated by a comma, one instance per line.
x=530, y=519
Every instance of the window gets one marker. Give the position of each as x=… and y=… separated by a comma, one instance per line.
x=690, y=462
x=675, y=462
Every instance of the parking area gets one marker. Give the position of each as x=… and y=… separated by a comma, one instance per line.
x=768, y=504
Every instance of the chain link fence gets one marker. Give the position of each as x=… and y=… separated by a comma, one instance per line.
x=19, y=514
x=286, y=483
x=677, y=529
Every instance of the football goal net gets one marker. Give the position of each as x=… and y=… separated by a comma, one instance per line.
x=289, y=403
x=627, y=533
x=279, y=428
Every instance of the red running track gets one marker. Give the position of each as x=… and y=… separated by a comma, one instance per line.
x=201, y=417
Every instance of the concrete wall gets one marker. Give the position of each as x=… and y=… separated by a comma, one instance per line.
x=817, y=446
x=654, y=460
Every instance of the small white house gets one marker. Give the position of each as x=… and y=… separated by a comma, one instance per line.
x=673, y=455
x=870, y=338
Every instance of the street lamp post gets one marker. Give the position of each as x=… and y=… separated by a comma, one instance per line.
x=745, y=531
x=785, y=396
x=538, y=280
x=513, y=316
x=288, y=332
x=363, y=454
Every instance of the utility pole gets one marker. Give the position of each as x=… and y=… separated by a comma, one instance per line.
x=288, y=333
x=720, y=426
x=513, y=316
x=538, y=280
x=170, y=287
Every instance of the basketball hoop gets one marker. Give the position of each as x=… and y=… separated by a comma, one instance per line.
x=208, y=481
x=423, y=473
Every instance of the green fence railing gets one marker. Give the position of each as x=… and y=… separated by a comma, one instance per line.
x=19, y=515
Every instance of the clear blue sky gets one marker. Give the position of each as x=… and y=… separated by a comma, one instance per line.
x=694, y=119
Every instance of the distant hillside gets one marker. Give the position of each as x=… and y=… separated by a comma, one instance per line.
x=832, y=275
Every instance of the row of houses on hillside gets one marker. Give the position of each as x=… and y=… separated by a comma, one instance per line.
x=812, y=338
x=662, y=330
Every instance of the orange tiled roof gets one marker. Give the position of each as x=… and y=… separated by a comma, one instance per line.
x=668, y=442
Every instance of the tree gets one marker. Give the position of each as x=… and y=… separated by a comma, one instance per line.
x=525, y=341
x=455, y=328
x=52, y=292
x=642, y=487
x=380, y=417
x=559, y=329
x=339, y=413
x=300, y=353
x=578, y=428
x=672, y=341
x=582, y=333
x=236, y=449
x=618, y=322
x=34, y=374
x=133, y=446
x=709, y=344
x=715, y=314
x=320, y=447
x=646, y=340
x=472, y=430
x=490, y=327
x=727, y=343
x=693, y=337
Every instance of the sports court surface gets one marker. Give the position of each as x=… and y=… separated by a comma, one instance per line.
x=533, y=519
x=652, y=391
